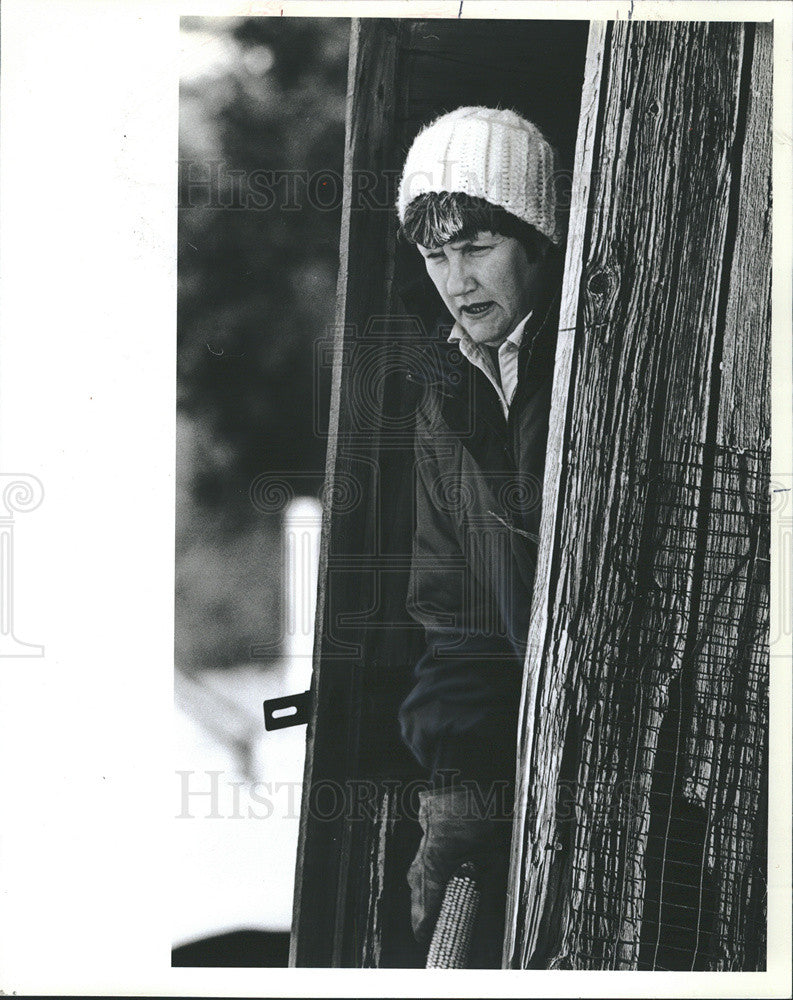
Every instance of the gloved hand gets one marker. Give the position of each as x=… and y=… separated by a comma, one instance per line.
x=456, y=831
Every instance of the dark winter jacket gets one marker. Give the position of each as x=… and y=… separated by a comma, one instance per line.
x=478, y=483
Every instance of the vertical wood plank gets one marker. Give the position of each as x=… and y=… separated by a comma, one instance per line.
x=616, y=624
x=326, y=843
x=563, y=373
x=726, y=748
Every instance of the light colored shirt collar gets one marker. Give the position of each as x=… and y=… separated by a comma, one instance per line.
x=515, y=338
x=505, y=380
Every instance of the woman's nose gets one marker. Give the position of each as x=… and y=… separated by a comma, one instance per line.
x=459, y=280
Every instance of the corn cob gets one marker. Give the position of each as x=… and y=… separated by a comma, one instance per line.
x=451, y=942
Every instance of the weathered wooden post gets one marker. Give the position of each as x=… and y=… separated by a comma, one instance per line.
x=641, y=837
x=350, y=901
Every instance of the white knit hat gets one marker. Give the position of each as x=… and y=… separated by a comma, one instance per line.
x=486, y=153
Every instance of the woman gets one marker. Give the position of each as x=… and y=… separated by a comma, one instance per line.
x=477, y=198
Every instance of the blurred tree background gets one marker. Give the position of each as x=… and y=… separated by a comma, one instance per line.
x=262, y=107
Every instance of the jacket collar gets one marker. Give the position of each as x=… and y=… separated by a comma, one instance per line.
x=538, y=349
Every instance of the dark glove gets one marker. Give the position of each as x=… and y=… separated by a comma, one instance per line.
x=455, y=830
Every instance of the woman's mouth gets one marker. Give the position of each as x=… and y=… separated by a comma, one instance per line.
x=478, y=309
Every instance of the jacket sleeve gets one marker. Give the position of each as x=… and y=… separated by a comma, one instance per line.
x=461, y=714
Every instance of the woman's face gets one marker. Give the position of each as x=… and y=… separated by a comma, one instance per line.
x=487, y=282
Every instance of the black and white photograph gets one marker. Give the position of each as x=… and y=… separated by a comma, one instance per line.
x=424, y=483
x=510, y=452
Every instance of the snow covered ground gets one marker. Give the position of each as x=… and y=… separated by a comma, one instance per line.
x=237, y=788
x=236, y=805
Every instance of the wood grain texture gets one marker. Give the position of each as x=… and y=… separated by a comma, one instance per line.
x=325, y=880
x=726, y=743
x=563, y=371
x=617, y=616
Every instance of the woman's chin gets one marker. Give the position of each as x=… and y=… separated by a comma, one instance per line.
x=489, y=334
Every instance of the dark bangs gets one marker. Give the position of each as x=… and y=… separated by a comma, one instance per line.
x=435, y=218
